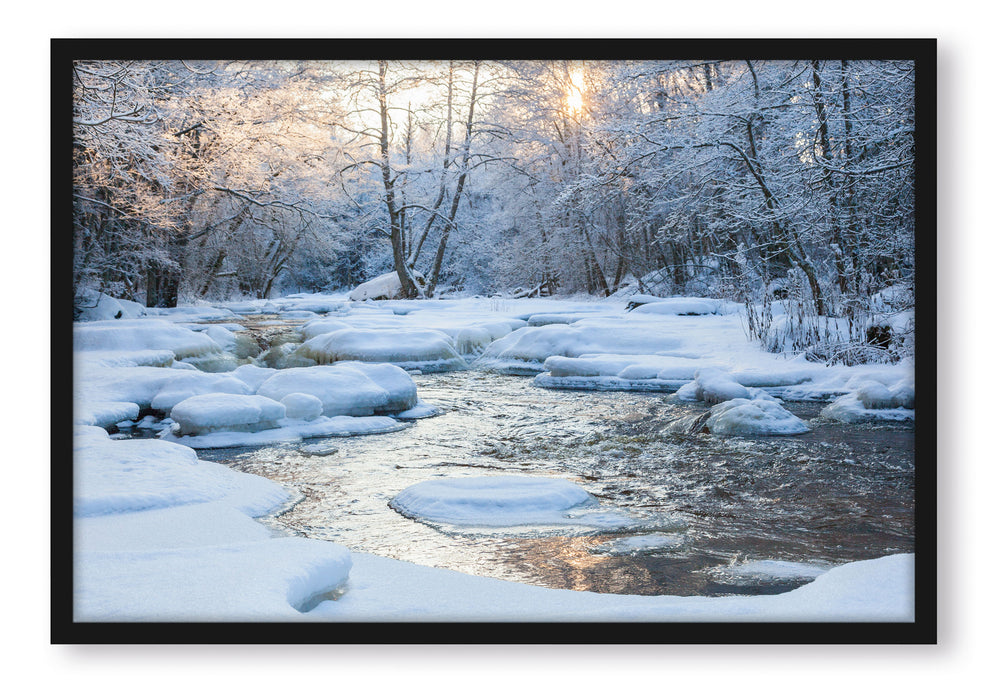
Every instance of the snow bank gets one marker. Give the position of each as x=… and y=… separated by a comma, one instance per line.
x=321, y=326
x=179, y=388
x=208, y=413
x=142, y=334
x=525, y=349
x=713, y=386
x=300, y=406
x=425, y=350
x=119, y=476
x=873, y=401
x=292, y=431
x=385, y=590
x=96, y=306
x=351, y=388
x=193, y=313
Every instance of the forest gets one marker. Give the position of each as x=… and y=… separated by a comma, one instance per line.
x=786, y=185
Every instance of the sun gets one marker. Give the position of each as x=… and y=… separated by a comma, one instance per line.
x=575, y=101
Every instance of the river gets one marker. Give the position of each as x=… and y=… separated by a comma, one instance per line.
x=839, y=493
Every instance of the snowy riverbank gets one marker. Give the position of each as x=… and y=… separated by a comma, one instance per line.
x=162, y=535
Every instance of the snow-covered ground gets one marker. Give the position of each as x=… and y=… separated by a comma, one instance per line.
x=162, y=535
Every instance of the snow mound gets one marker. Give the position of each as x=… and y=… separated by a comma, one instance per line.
x=142, y=334
x=385, y=286
x=495, y=501
x=321, y=326
x=713, y=386
x=208, y=413
x=252, y=375
x=679, y=306
x=756, y=417
x=874, y=401
x=275, y=579
x=526, y=349
x=176, y=389
x=851, y=409
x=425, y=350
x=103, y=413
x=120, y=476
x=300, y=406
x=350, y=388
x=93, y=305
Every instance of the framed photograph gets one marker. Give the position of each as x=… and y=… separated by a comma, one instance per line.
x=465, y=341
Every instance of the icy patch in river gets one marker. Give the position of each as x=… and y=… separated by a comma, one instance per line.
x=519, y=502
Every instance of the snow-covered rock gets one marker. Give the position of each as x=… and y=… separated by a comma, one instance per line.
x=92, y=305
x=713, y=386
x=757, y=417
x=142, y=334
x=321, y=326
x=121, y=476
x=525, y=349
x=679, y=306
x=425, y=350
x=385, y=286
x=180, y=387
x=300, y=406
x=351, y=388
x=208, y=413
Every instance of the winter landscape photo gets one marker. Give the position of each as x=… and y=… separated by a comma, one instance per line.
x=544, y=340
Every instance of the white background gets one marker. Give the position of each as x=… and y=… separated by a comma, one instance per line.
x=34, y=668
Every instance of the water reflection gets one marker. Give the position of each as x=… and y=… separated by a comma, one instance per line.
x=839, y=493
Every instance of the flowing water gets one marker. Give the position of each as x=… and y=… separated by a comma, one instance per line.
x=839, y=493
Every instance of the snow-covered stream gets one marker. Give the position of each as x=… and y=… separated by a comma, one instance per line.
x=638, y=464
x=712, y=513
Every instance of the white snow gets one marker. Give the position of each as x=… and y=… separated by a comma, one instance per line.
x=679, y=306
x=757, y=417
x=490, y=500
x=712, y=386
x=425, y=350
x=186, y=384
x=321, y=326
x=142, y=334
x=350, y=388
x=119, y=476
x=162, y=535
x=385, y=286
x=292, y=431
x=508, y=502
x=301, y=406
x=209, y=413
x=95, y=306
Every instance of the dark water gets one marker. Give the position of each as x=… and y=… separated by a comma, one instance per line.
x=837, y=494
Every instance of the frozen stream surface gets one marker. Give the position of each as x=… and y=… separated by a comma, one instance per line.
x=713, y=507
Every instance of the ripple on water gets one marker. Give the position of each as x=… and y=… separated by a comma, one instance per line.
x=838, y=493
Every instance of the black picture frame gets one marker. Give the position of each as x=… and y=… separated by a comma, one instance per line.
x=922, y=631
